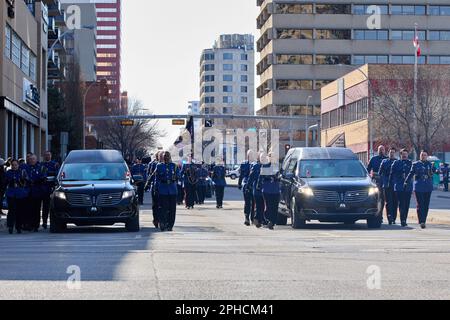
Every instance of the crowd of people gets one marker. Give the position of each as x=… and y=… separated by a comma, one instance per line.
x=25, y=184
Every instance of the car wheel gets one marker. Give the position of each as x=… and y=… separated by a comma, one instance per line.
x=374, y=223
x=133, y=224
x=297, y=221
x=281, y=219
x=56, y=226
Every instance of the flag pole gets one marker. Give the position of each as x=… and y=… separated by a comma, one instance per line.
x=416, y=61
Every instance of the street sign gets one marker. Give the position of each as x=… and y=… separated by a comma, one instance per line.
x=178, y=122
x=127, y=123
x=209, y=123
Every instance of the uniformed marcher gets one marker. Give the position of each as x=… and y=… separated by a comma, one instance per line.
x=387, y=187
x=190, y=176
x=52, y=168
x=140, y=170
x=2, y=182
x=423, y=172
x=445, y=176
x=255, y=183
x=244, y=174
x=151, y=185
x=180, y=195
x=202, y=183
x=218, y=177
x=167, y=175
x=374, y=168
x=17, y=193
x=37, y=178
x=399, y=171
x=271, y=191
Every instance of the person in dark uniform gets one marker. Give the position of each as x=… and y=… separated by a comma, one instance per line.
x=151, y=185
x=254, y=183
x=218, y=176
x=423, y=172
x=140, y=170
x=180, y=193
x=399, y=171
x=167, y=175
x=17, y=193
x=388, y=188
x=201, y=189
x=52, y=168
x=190, y=176
x=445, y=176
x=244, y=174
x=2, y=182
x=271, y=192
x=37, y=178
x=374, y=168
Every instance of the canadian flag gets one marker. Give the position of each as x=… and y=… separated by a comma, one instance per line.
x=417, y=45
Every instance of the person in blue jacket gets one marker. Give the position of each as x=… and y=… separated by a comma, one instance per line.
x=17, y=193
x=387, y=187
x=140, y=170
x=244, y=175
x=271, y=191
x=445, y=176
x=37, y=178
x=190, y=175
x=373, y=168
x=202, y=183
x=399, y=171
x=52, y=169
x=423, y=172
x=218, y=177
x=167, y=176
x=254, y=184
x=150, y=185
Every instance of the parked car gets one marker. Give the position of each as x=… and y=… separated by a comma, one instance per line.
x=94, y=188
x=327, y=185
x=234, y=173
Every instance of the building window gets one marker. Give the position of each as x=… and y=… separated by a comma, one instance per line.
x=209, y=56
x=244, y=89
x=227, y=77
x=16, y=48
x=333, y=59
x=407, y=35
x=294, y=34
x=408, y=10
x=294, y=59
x=439, y=59
x=7, y=42
x=322, y=83
x=333, y=34
x=290, y=8
x=244, y=57
x=244, y=67
x=333, y=8
x=439, y=35
x=209, y=89
x=209, y=78
x=371, y=35
x=244, y=100
x=227, y=56
x=440, y=10
x=227, y=67
x=227, y=99
x=294, y=84
x=360, y=9
x=25, y=62
x=208, y=67
x=244, y=78
x=406, y=60
x=374, y=59
x=33, y=67
x=228, y=89
x=209, y=100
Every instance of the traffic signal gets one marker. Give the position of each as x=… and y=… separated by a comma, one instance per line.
x=209, y=123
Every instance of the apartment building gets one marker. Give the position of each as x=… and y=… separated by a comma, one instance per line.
x=305, y=45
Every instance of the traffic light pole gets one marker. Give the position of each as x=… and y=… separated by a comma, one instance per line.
x=200, y=116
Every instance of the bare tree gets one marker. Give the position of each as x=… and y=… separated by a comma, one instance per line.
x=136, y=140
x=396, y=122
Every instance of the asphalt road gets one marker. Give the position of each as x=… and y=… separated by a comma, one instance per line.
x=212, y=255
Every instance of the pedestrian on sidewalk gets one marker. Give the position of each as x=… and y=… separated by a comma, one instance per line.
x=17, y=193
x=422, y=171
x=218, y=177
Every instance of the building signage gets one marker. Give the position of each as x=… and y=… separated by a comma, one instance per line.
x=338, y=142
x=31, y=94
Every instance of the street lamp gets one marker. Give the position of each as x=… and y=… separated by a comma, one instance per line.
x=306, y=124
x=84, y=111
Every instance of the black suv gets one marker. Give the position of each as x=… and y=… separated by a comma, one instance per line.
x=94, y=188
x=328, y=185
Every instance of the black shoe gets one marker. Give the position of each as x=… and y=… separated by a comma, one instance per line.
x=270, y=226
x=247, y=222
x=404, y=224
x=11, y=230
x=423, y=225
x=257, y=224
x=45, y=226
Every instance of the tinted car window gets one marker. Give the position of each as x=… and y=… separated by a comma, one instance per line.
x=332, y=169
x=94, y=172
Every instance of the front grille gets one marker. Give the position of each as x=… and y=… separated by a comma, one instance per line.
x=109, y=199
x=356, y=196
x=326, y=196
x=79, y=199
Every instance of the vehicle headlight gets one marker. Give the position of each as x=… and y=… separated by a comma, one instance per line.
x=60, y=195
x=373, y=191
x=127, y=194
x=308, y=192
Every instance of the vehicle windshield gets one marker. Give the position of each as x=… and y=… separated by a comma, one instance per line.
x=94, y=172
x=332, y=169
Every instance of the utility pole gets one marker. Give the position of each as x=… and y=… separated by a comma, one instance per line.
x=416, y=58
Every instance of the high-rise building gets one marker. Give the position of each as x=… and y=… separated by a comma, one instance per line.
x=108, y=45
x=194, y=109
x=306, y=44
x=227, y=76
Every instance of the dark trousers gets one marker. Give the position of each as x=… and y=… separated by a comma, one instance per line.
x=272, y=202
x=404, y=203
x=260, y=208
x=155, y=206
x=15, y=213
x=446, y=185
x=140, y=192
x=190, y=190
x=45, y=208
x=381, y=202
x=391, y=204
x=201, y=194
x=249, y=207
x=35, y=212
x=180, y=195
x=220, y=191
x=168, y=210
x=423, y=205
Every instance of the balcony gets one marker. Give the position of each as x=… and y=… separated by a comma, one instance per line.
x=54, y=7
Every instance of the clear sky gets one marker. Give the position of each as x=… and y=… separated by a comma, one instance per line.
x=161, y=46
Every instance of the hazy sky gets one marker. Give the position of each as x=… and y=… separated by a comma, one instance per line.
x=162, y=43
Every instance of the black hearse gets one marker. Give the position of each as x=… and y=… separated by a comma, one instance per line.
x=327, y=185
x=94, y=187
